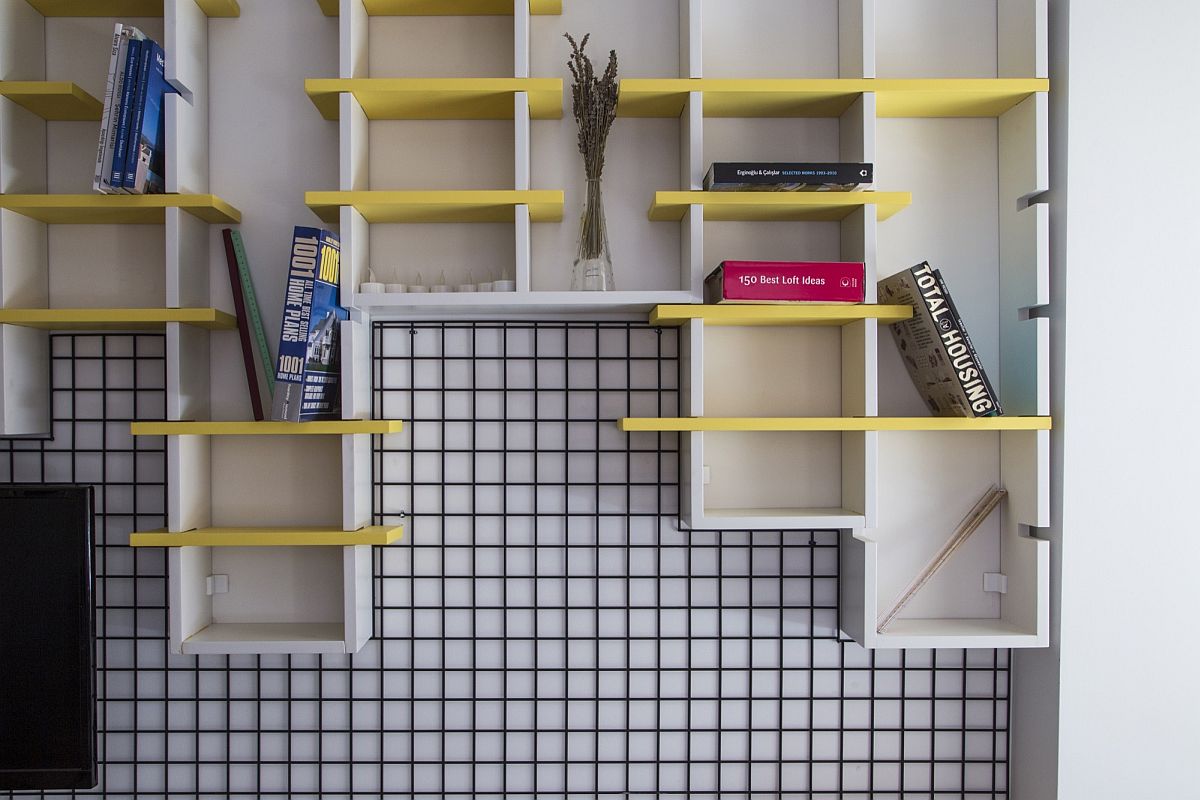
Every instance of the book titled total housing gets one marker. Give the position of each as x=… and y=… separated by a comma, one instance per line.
x=308, y=376
x=786, y=282
x=935, y=346
x=762, y=176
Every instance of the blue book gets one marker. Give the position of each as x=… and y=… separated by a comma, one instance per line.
x=135, y=117
x=308, y=377
x=149, y=141
x=125, y=111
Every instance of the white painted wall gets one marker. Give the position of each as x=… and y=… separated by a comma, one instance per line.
x=1122, y=717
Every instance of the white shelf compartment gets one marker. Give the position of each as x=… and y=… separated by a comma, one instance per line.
x=216, y=477
x=279, y=599
x=778, y=480
x=972, y=180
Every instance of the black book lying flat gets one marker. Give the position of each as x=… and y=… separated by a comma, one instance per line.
x=47, y=638
x=771, y=176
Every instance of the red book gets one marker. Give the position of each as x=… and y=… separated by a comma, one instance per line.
x=786, y=282
x=243, y=323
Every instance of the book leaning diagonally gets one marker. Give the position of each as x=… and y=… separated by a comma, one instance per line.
x=970, y=523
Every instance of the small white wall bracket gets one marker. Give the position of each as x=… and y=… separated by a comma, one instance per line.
x=216, y=584
x=995, y=582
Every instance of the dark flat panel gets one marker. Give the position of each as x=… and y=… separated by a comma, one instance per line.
x=47, y=669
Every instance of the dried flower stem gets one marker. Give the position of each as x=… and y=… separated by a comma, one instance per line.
x=594, y=103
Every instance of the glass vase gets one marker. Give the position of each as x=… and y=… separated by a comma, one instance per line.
x=592, y=271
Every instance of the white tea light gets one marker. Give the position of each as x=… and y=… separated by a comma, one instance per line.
x=486, y=286
x=370, y=287
x=468, y=287
x=397, y=288
x=441, y=288
x=504, y=286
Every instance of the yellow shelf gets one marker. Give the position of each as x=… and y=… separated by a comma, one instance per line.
x=438, y=98
x=775, y=206
x=53, y=100
x=348, y=426
x=439, y=206
x=834, y=424
x=126, y=8
x=125, y=209
x=444, y=8
x=776, y=315
x=953, y=97
x=267, y=537
x=123, y=319
x=895, y=97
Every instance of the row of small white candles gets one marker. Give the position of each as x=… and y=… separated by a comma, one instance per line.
x=418, y=287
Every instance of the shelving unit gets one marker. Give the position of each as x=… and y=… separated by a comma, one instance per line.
x=803, y=419
x=819, y=429
x=239, y=567
x=243, y=578
x=77, y=260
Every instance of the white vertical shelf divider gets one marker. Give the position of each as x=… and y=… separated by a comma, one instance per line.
x=691, y=169
x=692, y=444
x=352, y=39
x=856, y=38
x=185, y=29
x=1022, y=39
x=358, y=596
x=356, y=404
x=521, y=45
x=1024, y=173
x=523, y=226
x=190, y=606
x=353, y=175
x=24, y=242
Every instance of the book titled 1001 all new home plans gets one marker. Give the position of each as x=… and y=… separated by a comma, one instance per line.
x=308, y=376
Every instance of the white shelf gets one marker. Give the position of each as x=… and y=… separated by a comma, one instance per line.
x=719, y=519
x=382, y=306
x=266, y=638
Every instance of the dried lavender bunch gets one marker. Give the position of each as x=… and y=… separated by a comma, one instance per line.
x=594, y=101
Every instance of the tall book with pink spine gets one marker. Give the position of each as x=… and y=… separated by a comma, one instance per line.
x=786, y=282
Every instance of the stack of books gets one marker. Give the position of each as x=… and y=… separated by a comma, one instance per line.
x=129, y=158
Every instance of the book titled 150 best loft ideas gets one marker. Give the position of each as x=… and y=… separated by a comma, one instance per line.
x=308, y=377
x=786, y=282
x=935, y=346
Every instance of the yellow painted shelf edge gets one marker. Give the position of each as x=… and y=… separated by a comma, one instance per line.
x=484, y=205
x=268, y=537
x=670, y=206
x=116, y=318
x=826, y=97
x=126, y=8
x=53, y=100
x=267, y=428
x=449, y=8
x=734, y=314
x=1012, y=423
x=117, y=208
x=438, y=98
